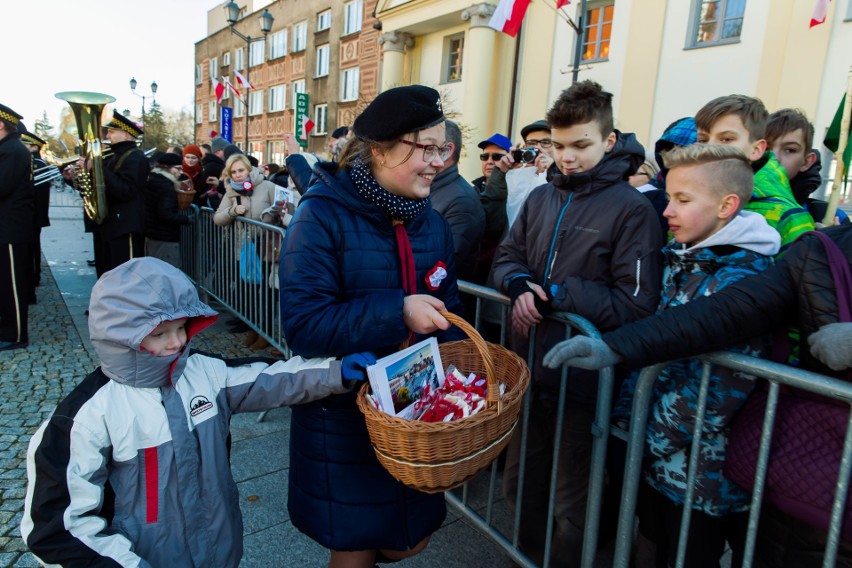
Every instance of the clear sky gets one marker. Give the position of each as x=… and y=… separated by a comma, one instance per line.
x=50, y=46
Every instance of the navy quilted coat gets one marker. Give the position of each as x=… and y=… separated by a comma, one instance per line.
x=342, y=293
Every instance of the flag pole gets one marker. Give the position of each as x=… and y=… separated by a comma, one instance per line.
x=840, y=168
x=578, y=45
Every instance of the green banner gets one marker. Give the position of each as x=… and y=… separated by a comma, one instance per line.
x=302, y=118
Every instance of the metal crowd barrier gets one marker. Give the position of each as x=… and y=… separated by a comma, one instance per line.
x=210, y=256
x=777, y=375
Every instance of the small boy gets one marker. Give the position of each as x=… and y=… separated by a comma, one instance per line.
x=587, y=243
x=740, y=121
x=132, y=467
x=715, y=244
x=790, y=136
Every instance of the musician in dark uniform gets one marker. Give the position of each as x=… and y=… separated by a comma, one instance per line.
x=121, y=235
x=42, y=202
x=16, y=232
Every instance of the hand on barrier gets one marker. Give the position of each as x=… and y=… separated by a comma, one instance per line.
x=582, y=352
x=832, y=344
x=354, y=367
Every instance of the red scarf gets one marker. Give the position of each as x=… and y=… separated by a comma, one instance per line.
x=406, y=261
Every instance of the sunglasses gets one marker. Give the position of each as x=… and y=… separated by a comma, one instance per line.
x=495, y=156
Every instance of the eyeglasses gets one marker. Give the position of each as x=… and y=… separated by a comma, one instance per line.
x=495, y=156
x=431, y=151
x=543, y=143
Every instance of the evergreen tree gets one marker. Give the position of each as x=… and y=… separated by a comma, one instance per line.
x=156, y=135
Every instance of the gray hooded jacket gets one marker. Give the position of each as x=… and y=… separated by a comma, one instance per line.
x=152, y=429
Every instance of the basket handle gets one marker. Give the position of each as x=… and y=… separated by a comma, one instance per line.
x=493, y=396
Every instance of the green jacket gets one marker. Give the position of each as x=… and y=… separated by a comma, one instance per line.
x=773, y=199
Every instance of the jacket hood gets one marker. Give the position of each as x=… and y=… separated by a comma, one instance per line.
x=127, y=303
x=616, y=165
x=166, y=174
x=747, y=230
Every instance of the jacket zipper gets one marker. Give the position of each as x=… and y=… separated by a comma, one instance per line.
x=551, y=255
x=638, y=272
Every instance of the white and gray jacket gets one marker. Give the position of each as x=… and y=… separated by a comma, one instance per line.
x=132, y=468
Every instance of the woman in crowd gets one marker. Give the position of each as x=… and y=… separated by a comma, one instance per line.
x=192, y=167
x=367, y=264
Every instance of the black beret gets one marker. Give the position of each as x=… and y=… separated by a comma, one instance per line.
x=230, y=150
x=398, y=111
x=9, y=115
x=169, y=159
x=340, y=132
x=537, y=125
x=121, y=122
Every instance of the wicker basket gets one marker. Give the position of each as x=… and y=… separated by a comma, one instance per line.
x=437, y=456
x=185, y=199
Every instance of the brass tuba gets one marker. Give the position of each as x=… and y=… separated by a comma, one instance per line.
x=87, y=109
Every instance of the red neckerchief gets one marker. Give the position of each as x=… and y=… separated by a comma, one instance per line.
x=406, y=261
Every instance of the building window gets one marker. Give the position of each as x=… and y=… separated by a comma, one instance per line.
x=239, y=108
x=277, y=98
x=226, y=59
x=199, y=113
x=322, y=61
x=300, y=36
x=239, y=59
x=716, y=22
x=255, y=103
x=211, y=111
x=320, y=119
x=352, y=12
x=199, y=73
x=275, y=151
x=298, y=87
x=214, y=67
x=226, y=94
x=323, y=20
x=349, y=84
x=598, y=28
x=256, y=53
x=453, y=52
x=278, y=44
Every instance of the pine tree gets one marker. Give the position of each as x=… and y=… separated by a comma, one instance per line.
x=156, y=135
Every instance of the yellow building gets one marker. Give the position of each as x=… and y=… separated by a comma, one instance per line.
x=662, y=59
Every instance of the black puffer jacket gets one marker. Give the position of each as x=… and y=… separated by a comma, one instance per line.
x=798, y=290
x=593, y=243
x=162, y=219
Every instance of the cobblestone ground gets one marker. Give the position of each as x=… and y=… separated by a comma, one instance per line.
x=34, y=380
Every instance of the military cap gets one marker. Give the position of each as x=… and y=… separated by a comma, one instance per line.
x=9, y=115
x=28, y=137
x=121, y=122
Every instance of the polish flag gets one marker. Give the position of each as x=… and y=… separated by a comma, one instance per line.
x=213, y=134
x=232, y=87
x=820, y=11
x=561, y=3
x=242, y=80
x=218, y=88
x=508, y=16
x=307, y=126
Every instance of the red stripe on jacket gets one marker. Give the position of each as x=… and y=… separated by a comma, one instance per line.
x=151, y=485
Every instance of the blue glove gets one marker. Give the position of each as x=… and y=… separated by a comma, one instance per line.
x=354, y=367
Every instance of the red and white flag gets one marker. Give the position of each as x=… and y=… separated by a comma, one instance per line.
x=820, y=11
x=307, y=126
x=508, y=16
x=218, y=88
x=213, y=134
x=232, y=87
x=561, y=3
x=242, y=80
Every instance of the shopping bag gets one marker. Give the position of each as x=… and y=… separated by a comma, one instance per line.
x=250, y=269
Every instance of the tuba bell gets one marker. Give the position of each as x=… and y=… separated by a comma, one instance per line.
x=87, y=108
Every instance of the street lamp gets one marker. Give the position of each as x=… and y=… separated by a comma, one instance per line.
x=266, y=19
x=133, y=84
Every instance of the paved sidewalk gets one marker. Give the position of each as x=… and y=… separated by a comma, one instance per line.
x=33, y=380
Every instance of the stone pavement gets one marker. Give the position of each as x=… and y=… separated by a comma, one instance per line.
x=33, y=380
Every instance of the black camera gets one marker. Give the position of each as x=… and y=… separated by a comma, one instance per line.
x=525, y=155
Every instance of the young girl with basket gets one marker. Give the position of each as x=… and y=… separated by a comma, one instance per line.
x=366, y=264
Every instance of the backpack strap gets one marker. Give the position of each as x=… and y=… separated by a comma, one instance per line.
x=117, y=165
x=840, y=273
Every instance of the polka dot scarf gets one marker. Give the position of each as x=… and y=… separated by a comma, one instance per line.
x=395, y=206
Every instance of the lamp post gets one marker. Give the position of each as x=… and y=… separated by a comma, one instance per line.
x=266, y=19
x=133, y=84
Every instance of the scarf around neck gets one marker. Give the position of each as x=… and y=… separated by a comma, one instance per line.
x=396, y=207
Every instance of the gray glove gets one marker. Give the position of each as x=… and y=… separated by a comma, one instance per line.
x=583, y=352
x=832, y=344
